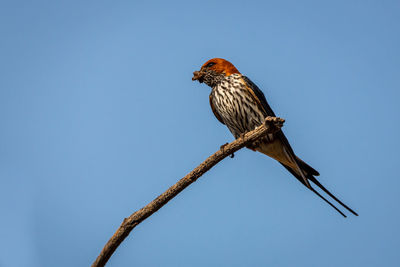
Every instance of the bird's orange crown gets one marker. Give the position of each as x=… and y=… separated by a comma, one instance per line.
x=220, y=65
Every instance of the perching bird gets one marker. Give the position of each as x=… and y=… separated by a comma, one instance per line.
x=239, y=104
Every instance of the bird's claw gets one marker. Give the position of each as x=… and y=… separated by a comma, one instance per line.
x=223, y=147
x=253, y=146
x=256, y=143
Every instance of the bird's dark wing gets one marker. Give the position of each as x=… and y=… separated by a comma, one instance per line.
x=259, y=96
x=303, y=172
x=269, y=112
x=214, y=110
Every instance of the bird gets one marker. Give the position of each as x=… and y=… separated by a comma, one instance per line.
x=240, y=105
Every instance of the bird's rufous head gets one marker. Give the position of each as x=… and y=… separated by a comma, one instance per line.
x=213, y=71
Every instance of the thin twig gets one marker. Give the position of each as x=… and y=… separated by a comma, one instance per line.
x=271, y=125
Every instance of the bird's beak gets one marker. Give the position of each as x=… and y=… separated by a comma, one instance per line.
x=198, y=75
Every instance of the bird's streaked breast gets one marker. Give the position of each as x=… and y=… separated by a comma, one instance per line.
x=235, y=105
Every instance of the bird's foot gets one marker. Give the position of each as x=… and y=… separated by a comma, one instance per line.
x=223, y=147
x=253, y=146
x=256, y=143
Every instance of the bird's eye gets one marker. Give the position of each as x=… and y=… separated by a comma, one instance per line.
x=209, y=65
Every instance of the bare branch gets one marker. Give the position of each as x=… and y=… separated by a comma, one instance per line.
x=272, y=124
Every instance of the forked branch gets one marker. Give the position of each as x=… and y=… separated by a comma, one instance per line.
x=271, y=125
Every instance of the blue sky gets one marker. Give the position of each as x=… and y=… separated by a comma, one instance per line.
x=99, y=115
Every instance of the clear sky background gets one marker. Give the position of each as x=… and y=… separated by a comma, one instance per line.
x=99, y=115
